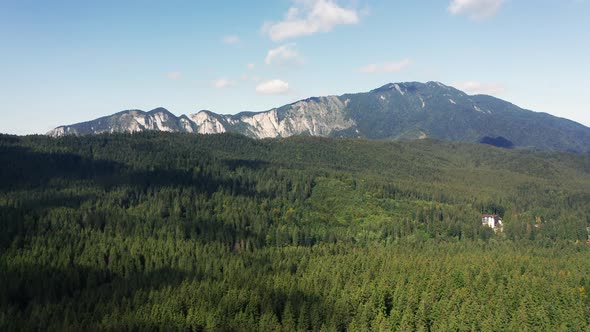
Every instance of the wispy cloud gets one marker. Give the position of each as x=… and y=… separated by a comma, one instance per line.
x=475, y=9
x=477, y=88
x=249, y=78
x=250, y=66
x=174, y=75
x=386, y=67
x=223, y=83
x=231, y=40
x=307, y=17
x=272, y=87
x=284, y=55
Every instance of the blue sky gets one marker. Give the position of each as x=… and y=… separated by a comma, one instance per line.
x=64, y=62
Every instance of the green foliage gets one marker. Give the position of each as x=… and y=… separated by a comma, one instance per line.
x=187, y=232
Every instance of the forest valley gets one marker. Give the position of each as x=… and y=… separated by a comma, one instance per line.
x=158, y=231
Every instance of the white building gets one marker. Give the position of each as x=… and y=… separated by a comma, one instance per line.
x=493, y=221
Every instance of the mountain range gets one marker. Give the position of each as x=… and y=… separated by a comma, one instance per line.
x=395, y=111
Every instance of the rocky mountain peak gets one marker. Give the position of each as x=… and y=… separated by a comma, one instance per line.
x=407, y=110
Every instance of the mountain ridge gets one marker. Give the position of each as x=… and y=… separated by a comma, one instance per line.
x=407, y=110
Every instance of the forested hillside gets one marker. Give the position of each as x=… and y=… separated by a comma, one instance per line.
x=156, y=231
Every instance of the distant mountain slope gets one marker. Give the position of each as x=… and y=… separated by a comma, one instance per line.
x=394, y=111
x=158, y=119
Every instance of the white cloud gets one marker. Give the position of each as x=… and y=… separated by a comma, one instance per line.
x=223, y=83
x=250, y=66
x=386, y=67
x=475, y=9
x=476, y=88
x=283, y=55
x=174, y=75
x=272, y=87
x=231, y=40
x=307, y=17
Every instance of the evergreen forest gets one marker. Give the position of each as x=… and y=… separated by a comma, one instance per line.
x=179, y=232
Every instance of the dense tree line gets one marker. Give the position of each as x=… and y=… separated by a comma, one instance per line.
x=188, y=232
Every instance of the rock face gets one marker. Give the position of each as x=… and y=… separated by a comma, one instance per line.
x=394, y=111
x=129, y=121
x=315, y=116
